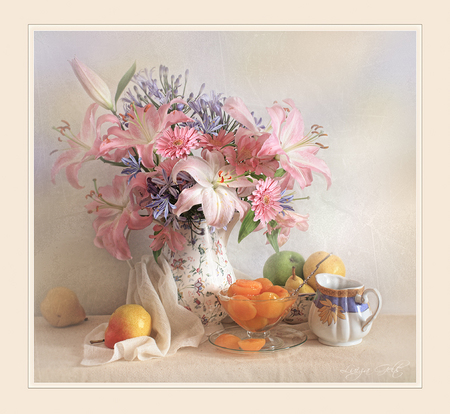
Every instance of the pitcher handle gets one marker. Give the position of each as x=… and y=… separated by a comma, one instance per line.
x=377, y=311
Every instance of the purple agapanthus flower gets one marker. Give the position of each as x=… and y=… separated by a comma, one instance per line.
x=134, y=167
x=165, y=184
x=284, y=200
x=161, y=205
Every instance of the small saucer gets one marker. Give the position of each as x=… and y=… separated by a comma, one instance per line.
x=284, y=337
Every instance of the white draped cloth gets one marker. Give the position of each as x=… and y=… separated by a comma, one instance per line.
x=151, y=285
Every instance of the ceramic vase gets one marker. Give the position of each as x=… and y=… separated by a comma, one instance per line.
x=201, y=270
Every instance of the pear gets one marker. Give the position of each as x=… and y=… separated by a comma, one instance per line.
x=61, y=307
x=293, y=282
x=127, y=321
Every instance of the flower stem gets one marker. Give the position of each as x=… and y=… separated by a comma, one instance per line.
x=118, y=164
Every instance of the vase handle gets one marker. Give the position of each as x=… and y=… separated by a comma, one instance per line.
x=225, y=234
x=377, y=311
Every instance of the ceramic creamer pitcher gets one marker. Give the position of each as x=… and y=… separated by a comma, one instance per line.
x=340, y=314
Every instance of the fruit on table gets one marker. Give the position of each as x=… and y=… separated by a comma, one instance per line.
x=228, y=341
x=278, y=266
x=294, y=282
x=61, y=307
x=231, y=341
x=255, y=304
x=127, y=321
x=252, y=344
x=333, y=265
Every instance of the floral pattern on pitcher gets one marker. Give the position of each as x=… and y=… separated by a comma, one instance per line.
x=330, y=312
x=200, y=271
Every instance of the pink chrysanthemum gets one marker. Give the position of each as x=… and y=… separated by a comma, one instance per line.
x=266, y=200
x=177, y=143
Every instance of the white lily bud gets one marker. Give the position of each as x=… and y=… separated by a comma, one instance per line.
x=95, y=86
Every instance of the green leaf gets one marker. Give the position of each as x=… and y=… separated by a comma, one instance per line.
x=156, y=254
x=124, y=81
x=280, y=172
x=273, y=223
x=248, y=225
x=256, y=176
x=273, y=239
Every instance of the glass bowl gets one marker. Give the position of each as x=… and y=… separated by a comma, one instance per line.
x=258, y=317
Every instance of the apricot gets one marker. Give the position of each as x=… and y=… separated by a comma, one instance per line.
x=252, y=344
x=240, y=307
x=231, y=292
x=267, y=305
x=246, y=287
x=279, y=290
x=228, y=341
x=266, y=283
x=254, y=325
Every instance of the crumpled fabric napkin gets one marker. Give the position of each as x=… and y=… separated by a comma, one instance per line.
x=151, y=285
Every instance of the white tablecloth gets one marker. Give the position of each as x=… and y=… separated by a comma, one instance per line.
x=386, y=355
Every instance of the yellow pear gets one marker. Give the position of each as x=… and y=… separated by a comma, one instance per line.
x=333, y=265
x=294, y=282
x=61, y=307
x=127, y=321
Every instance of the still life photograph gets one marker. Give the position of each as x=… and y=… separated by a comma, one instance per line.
x=248, y=203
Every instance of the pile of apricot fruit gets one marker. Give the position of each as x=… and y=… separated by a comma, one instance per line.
x=255, y=305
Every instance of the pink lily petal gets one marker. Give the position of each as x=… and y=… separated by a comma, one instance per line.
x=271, y=147
x=198, y=168
x=95, y=86
x=236, y=108
x=189, y=197
x=110, y=236
x=167, y=235
x=138, y=222
x=277, y=116
x=293, y=129
x=218, y=206
x=301, y=163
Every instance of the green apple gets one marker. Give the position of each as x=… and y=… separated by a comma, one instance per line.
x=278, y=267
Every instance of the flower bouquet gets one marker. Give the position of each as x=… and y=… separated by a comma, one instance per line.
x=187, y=159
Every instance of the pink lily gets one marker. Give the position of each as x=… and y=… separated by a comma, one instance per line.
x=295, y=151
x=286, y=221
x=83, y=147
x=246, y=157
x=215, y=189
x=236, y=108
x=146, y=125
x=95, y=86
x=117, y=208
x=167, y=234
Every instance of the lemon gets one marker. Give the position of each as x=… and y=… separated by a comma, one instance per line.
x=333, y=265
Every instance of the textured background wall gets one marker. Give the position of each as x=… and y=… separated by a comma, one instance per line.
x=360, y=85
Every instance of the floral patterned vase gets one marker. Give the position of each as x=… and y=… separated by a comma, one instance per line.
x=201, y=270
